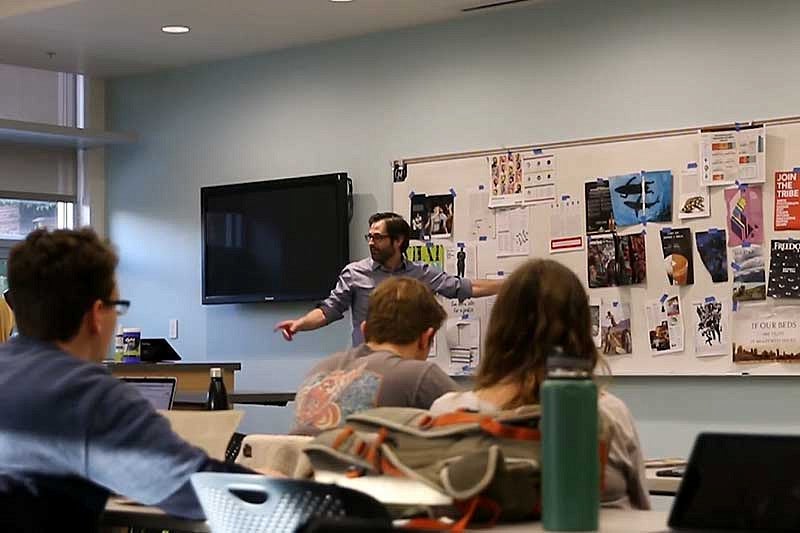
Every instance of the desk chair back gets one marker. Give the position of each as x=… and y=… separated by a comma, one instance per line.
x=245, y=503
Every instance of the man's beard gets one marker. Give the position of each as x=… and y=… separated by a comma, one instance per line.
x=381, y=256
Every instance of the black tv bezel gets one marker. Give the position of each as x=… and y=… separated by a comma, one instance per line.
x=343, y=208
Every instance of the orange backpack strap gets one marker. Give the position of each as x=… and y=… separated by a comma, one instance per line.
x=341, y=437
x=374, y=452
x=468, y=509
x=602, y=448
x=498, y=429
x=451, y=419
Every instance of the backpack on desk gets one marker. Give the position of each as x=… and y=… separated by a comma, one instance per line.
x=487, y=462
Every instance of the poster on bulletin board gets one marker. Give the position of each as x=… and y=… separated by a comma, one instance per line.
x=787, y=201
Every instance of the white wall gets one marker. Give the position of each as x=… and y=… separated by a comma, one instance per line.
x=566, y=69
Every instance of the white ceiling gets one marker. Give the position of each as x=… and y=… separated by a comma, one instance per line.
x=107, y=38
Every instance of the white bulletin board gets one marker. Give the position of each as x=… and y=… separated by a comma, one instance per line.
x=467, y=177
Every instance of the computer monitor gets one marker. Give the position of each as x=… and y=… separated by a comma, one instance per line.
x=158, y=391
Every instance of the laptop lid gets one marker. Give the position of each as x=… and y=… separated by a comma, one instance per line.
x=158, y=349
x=740, y=482
x=159, y=391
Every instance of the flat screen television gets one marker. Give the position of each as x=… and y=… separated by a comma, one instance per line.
x=275, y=240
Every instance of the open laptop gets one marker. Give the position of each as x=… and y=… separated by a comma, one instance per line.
x=740, y=482
x=159, y=391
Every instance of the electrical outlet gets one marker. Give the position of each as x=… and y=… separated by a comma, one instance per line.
x=173, y=328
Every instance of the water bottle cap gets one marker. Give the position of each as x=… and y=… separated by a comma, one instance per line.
x=216, y=372
x=568, y=362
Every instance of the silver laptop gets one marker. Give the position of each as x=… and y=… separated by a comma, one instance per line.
x=159, y=391
x=740, y=482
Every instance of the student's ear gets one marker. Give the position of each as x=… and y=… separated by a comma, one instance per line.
x=363, y=329
x=425, y=341
x=94, y=317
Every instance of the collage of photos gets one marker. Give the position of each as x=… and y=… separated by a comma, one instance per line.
x=616, y=260
x=664, y=324
x=432, y=216
x=506, y=179
x=615, y=320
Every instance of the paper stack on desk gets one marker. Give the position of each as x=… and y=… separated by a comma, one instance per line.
x=209, y=430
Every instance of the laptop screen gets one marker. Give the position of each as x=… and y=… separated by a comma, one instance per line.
x=740, y=482
x=159, y=391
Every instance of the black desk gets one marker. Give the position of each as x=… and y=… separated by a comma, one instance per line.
x=197, y=400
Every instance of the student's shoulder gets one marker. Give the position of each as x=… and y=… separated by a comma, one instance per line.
x=385, y=357
x=612, y=403
x=614, y=410
x=453, y=401
x=334, y=361
x=69, y=390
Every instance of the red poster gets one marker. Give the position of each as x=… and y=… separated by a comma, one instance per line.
x=787, y=201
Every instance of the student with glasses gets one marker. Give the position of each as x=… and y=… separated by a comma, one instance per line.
x=388, y=240
x=71, y=433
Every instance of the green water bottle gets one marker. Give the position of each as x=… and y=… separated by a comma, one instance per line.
x=570, y=459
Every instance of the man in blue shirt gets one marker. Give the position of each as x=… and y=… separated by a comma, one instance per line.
x=388, y=240
x=70, y=433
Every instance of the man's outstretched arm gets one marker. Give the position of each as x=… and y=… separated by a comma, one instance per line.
x=329, y=310
x=485, y=287
x=312, y=320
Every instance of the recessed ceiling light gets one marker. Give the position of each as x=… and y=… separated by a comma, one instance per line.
x=340, y=1
x=175, y=29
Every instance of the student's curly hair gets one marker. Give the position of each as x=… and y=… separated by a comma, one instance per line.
x=55, y=277
x=542, y=305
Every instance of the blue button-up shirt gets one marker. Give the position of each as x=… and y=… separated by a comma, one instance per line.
x=359, y=278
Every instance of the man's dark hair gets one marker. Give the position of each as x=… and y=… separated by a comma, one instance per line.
x=55, y=278
x=396, y=227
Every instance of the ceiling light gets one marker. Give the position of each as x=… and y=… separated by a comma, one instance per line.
x=340, y=1
x=175, y=29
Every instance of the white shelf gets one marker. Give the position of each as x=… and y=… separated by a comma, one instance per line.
x=16, y=131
